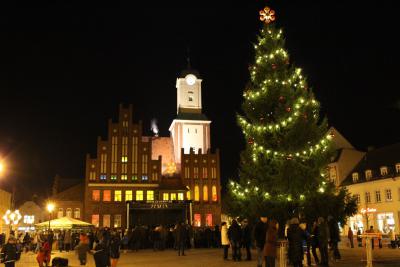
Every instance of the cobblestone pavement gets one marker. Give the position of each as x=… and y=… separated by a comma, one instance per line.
x=213, y=258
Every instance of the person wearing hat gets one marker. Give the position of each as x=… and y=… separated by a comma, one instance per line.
x=9, y=252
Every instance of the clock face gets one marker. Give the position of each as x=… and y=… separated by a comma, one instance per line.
x=190, y=79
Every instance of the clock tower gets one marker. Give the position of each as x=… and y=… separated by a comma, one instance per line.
x=191, y=128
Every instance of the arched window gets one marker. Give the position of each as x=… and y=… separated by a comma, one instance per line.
x=77, y=213
x=69, y=213
x=214, y=193
x=196, y=193
x=205, y=193
x=188, y=195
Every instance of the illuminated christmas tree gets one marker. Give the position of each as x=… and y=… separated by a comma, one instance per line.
x=283, y=170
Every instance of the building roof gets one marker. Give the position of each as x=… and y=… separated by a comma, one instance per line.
x=373, y=160
x=74, y=193
x=191, y=116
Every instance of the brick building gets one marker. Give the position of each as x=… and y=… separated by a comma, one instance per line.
x=151, y=179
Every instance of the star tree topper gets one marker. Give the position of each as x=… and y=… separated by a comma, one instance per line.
x=267, y=15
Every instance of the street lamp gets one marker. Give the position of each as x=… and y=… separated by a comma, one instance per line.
x=50, y=208
x=2, y=167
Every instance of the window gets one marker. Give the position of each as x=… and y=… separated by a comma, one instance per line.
x=106, y=220
x=154, y=176
x=92, y=176
x=197, y=220
x=95, y=220
x=165, y=196
x=134, y=177
x=355, y=177
x=209, y=219
x=134, y=155
x=398, y=168
x=103, y=177
x=107, y=195
x=117, y=195
x=196, y=172
x=77, y=213
x=145, y=178
x=214, y=193
x=358, y=200
x=113, y=177
x=139, y=195
x=213, y=173
x=117, y=220
x=60, y=213
x=114, y=154
x=29, y=219
x=188, y=197
x=124, y=159
x=196, y=193
x=173, y=196
x=190, y=95
x=384, y=170
x=103, y=163
x=180, y=196
x=124, y=177
x=150, y=195
x=367, y=197
x=368, y=174
x=128, y=195
x=378, y=196
x=205, y=193
x=389, y=195
x=96, y=195
x=205, y=175
x=68, y=213
x=187, y=173
x=144, y=164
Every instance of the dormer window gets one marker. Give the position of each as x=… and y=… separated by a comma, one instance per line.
x=355, y=177
x=398, y=168
x=368, y=174
x=384, y=171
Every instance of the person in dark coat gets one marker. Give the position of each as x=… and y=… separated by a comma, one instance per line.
x=334, y=236
x=115, y=245
x=246, y=238
x=314, y=242
x=100, y=255
x=235, y=236
x=181, y=236
x=296, y=236
x=350, y=236
x=323, y=236
x=270, y=246
x=82, y=249
x=259, y=232
x=9, y=252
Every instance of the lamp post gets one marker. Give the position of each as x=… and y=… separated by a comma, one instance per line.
x=50, y=208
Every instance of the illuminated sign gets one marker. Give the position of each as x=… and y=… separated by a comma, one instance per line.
x=368, y=210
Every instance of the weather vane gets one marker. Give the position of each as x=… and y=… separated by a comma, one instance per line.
x=267, y=15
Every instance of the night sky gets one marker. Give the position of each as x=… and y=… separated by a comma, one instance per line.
x=65, y=68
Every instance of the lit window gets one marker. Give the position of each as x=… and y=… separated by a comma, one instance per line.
x=197, y=220
x=398, y=168
x=144, y=178
x=196, y=193
x=124, y=177
x=378, y=196
x=367, y=197
x=357, y=196
x=209, y=219
x=187, y=173
x=173, y=196
x=117, y=195
x=124, y=159
x=355, y=177
x=117, y=220
x=180, y=196
x=154, y=176
x=103, y=177
x=383, y=171
x=92, y=176
x=106, y=220
x=29, y=219
x=114, y=153
x=214, y=193
x=128, y=195
x=139, y=195
x=113, y=177
x=389, y=195
x=196, y=172
x=134, y=177
x=103, y=162
x=144, y=164
x=150, y=195
x=95, y=195
x=107, y=195
x=68, y=213
x=165, y=196
x=205, y=193
x=77, y=213
x=205, y=175
x=188, y=197
x=368, y=174
x=95, y=220
x=213, y=173
x=60, y=212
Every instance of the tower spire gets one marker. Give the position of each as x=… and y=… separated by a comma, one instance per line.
x=188, y=58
